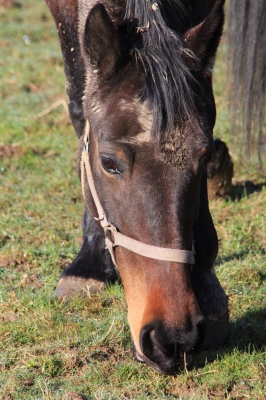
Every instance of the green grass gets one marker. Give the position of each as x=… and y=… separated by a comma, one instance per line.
x=47, y=348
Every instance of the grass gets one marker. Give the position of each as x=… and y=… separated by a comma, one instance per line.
x=50, y=349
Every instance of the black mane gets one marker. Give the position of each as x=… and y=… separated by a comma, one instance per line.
x=169, y=81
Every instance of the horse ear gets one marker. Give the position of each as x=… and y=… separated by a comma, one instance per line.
x=203, y=39
x=101, y=41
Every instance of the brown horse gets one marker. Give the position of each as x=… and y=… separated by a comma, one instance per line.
x=139, y=86
x=219, y=171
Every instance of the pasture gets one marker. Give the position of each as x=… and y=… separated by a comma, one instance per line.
x=49, y=349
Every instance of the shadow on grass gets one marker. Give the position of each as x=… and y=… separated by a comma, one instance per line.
x=246, y=334
x=244, y=189
x=248, y=330
x=235, y=256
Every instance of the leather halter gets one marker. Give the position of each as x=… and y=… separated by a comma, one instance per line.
x=114, y=238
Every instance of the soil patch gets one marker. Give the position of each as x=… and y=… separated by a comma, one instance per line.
x=9, y=4
x=9, y=151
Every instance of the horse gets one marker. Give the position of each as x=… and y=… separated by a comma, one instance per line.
x=139, y=83
x=220, y=171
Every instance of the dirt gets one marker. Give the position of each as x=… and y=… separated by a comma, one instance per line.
x=5, y=261
x=44, y=152
x=9, y=317
x=14, y=260
x=10, y=151
x=14, y=151
x=73, y=396
x=9, y=4
x=22, y=263
x=32, y=280
x=62, y=263
x=7, y=396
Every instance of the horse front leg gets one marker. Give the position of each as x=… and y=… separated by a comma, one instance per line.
x=65, y=14
x=92, y=267
x=210, y=295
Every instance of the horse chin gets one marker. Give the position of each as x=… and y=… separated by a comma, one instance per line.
x=168, y=366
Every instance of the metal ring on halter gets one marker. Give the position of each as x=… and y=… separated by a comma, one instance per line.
x=99, y=219
x=86, y=147
x=112, y=229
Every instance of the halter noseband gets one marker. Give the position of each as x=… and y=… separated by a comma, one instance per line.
x=114, y=238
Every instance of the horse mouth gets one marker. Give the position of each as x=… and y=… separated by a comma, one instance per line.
x=168, y=365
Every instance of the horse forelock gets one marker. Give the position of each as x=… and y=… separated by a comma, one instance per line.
x=168, y=84
x=173, y=143
x=169, y=81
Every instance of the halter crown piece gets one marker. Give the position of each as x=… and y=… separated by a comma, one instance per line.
x=114, y=238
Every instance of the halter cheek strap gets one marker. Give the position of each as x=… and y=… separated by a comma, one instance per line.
x=114, y=238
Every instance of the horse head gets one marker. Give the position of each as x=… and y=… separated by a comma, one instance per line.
x=150, y=113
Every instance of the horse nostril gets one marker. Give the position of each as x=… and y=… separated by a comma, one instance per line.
x=146, y=342
x=154, y=342
x=164, y=347
x=160, y=343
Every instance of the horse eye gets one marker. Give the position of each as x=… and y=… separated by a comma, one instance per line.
x=110, y=166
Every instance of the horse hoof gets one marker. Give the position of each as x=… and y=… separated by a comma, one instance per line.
x=71, y=286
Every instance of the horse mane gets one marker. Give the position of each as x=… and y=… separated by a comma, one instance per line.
x=247, y=67
x=169, y=81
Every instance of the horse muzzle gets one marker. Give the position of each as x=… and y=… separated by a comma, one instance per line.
x=168, y=350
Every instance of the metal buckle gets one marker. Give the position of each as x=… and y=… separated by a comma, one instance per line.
x=99, y=219
x=110, y=247
x=86, y=147
x=109, y=243
x=109, y=228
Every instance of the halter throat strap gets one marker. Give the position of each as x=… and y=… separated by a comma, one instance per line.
x=114, y=238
